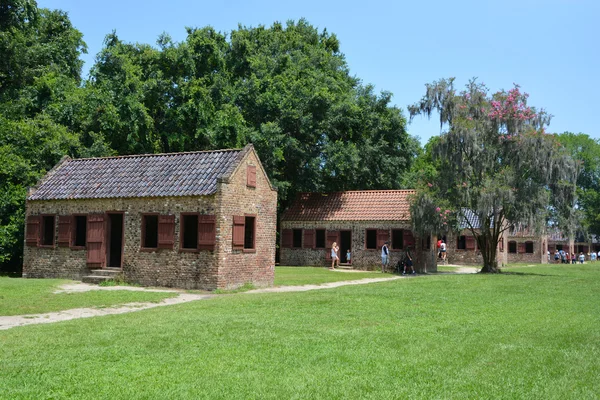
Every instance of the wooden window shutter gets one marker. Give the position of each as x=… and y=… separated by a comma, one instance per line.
x=251, y=176
x=501, y=243
x=332, y=236
x=64, y=230
x=408, y=238
x=207, y=232
x=166, y=231
x=287, y=238
x=95, y=241
x=470, y=243
x=33, y=231
x=521, y=247
x=238, y=231
x=309, y=238
x=382, y=237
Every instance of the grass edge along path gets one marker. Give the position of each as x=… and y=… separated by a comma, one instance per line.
x=19, y=296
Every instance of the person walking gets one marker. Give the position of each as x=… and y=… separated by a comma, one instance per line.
x=408, y=262
x=385, y=256
x=443, y=251
x=335, y=256
x=581, y=258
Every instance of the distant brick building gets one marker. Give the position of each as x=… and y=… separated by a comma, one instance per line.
x=203, y=220
x=515, y=246
x=357, y=220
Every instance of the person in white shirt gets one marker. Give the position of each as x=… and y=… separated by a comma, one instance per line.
x=385, y=256
x=443, y=251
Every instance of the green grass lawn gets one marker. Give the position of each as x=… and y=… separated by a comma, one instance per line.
x=533, y=333
x=33, y=296
x=291, y=276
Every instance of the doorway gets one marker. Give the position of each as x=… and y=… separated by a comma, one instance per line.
x=345, y=245
x=114, y=237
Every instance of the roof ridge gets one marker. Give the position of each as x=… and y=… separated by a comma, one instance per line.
x=154, y=154
x=363, y=191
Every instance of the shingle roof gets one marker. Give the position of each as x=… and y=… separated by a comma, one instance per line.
x=148, y=175
x=364, y=205
x=470, y=219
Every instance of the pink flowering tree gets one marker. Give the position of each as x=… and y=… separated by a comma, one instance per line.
x=493, y=158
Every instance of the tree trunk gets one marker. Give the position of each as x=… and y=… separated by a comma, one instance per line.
x=489, y=246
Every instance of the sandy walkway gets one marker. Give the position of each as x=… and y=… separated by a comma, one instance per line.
x=47, y=318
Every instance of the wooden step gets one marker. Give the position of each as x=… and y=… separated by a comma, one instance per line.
x=110, y=272
x=95, y=279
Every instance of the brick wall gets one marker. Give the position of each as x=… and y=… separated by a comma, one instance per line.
x=235, y=198
x=362, y=258
x=504, y=256
x=162, y=267
x=537, y=244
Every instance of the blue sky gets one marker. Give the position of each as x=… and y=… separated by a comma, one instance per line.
x=549, y=47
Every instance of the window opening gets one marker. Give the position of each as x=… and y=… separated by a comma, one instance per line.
x=190, y=231
x=397, y=239
x=297, y=235
x=80, y=233
x=320, y=238
x=249, y=233
x=150, y=231
x=48, y=230
x=528, y=247
x=461, y=243
x=371, y=238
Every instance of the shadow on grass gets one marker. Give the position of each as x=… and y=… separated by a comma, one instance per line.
x=10, y=274
x=520, y=273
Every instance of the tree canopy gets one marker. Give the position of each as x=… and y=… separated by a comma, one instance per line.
x=496, y=161
x=286, y=88
x=586, y=151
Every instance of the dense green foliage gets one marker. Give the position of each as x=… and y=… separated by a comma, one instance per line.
x=286, y=88
x=587, y=151
x=496, y=161
x=39, y=69
x=425, y=338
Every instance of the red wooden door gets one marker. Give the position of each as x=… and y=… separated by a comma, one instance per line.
x=332, y=236
x=96, y=254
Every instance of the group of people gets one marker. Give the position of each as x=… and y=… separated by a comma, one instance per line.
x=403, y=265
x=407, y=263
x=565, y=258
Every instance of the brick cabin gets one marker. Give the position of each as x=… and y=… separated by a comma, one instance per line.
x=197, y=220
x=558, y=241
x=518, y=246
x=359, y=220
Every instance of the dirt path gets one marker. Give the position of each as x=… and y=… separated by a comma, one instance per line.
x=8, y=322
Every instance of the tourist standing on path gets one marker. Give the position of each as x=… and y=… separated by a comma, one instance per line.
x=385, y=256
x=335, y=255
